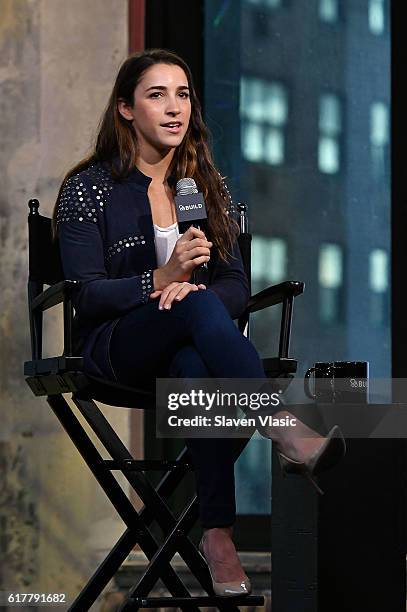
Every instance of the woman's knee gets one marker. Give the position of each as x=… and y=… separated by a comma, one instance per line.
x=203, y=311
x=202, y=303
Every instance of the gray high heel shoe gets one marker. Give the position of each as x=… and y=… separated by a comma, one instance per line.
x=227, y=589
x=326, y=456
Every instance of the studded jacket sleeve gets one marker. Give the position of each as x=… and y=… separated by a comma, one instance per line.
x=83, y=259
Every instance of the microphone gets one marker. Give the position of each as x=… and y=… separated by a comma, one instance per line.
x=190, y=208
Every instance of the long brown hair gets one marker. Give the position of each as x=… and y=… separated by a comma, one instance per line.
x=116, y=137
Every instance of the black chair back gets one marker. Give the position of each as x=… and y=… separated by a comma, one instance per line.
x=45, y=264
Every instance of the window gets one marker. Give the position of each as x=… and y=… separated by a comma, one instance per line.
x=268, y=3
x=379, y=138
x=330, y=127
x=269, y=261
x=252, y=141
x=379, y=285
x=264, y=110
x=376, y=16
x=330, y=276
x=328, y=10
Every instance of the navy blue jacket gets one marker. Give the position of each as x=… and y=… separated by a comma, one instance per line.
x=106, y=239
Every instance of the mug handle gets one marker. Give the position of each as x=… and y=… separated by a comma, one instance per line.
x=307, y=389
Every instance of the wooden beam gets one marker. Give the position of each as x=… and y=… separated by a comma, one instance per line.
x=136, y=29
x=136, y=25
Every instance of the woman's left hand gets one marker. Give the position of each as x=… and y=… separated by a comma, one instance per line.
x=175, y=291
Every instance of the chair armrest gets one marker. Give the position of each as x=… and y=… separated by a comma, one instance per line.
x=274, y=295
x=53, y=366
x=54, y=295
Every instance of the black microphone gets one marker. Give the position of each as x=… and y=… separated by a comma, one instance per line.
x=190, y=208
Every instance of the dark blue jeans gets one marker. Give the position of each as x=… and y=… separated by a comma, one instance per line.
x=196, y=338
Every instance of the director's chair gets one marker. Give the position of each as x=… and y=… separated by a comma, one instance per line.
x=53, y=377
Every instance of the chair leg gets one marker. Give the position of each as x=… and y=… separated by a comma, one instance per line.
x=152, y=499
x=137, y=531
x=175, y=531
x=184, y=524
x=121, y=454
x=149, y=495
x=176, y=540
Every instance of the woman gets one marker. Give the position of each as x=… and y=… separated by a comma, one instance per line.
x=139, y=315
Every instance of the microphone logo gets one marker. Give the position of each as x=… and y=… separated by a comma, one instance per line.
x=189, y=203
x=190, y=206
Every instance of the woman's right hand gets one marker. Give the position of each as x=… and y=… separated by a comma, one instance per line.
x=191, y=250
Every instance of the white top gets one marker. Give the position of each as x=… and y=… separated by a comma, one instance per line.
x=165, y=239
